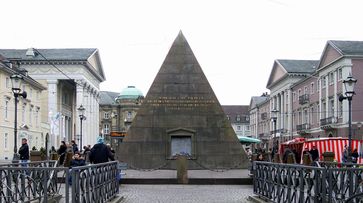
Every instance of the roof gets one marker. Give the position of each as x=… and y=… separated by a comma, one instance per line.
x=50, y=54
x=298, y=66
x=108, y=98
x=256, y=100
x=130, y=92
x=354, y=48
x=236, y=110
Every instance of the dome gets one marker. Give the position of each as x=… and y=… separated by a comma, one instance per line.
x=131, y=92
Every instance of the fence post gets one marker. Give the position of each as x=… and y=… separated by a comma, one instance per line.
x=301, y=184
x=323, y=185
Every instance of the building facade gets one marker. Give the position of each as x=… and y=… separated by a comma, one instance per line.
x=239, y=117
x=306, y=94
x=72, y=78
x=29, y=110
x=117, y=110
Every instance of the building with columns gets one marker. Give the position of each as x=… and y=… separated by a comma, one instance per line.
x=72, y=78
x=29, y=110
x=306, y=93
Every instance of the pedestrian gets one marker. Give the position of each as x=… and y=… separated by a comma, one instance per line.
x=24, y=150
x=77, y=160
x=355, y=156
x=100, y=153
x=345, y=154
x=314, y=153
x=74, y=147
x=62, y=152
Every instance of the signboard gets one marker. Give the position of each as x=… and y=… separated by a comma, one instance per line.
x=118, y=134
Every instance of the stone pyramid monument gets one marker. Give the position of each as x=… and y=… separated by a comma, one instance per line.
x=181, y=115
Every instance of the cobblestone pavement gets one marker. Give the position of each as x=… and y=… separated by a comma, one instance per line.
x=185, y=193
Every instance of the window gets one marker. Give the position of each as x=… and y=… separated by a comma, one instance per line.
x=340, y=74
x=238, y=118
x=305, y=90
x=340, y=107
x=331, y=108
x=6, y=141
x=30, y=115
x=30, y=93
x=299, y=93
x=6, y=109
x=318, y=113
x=106, y=128
x=306, y=116
x=323, y=80
x=7, y=82
x=247, y=127
x=331, y=78
x=23, y=114
x=24, y=88
x=238, y=127
x=293, y=96
x=311, y=115
x=312, y=88
x=37, y=116
x=129, y=114
x=106, y=115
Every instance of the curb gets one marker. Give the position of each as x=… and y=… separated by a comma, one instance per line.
x=117, y=199
x=256, y=199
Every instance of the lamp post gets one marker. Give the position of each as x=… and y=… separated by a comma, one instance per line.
x=16, y=81
x=349, y=92
x=274, y=113
x=82, y=117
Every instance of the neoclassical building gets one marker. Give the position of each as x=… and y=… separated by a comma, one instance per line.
x=117, y=110
x=305, y=94
x=72, y=78
x=29, y=111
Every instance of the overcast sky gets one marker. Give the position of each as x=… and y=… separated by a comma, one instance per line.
x=235, y=41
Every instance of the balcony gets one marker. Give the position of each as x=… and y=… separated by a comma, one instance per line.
x=303, y=129
x=327, y=123
x=303, y=99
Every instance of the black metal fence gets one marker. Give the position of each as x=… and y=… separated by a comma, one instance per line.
x=44, y=181
x=330, y=182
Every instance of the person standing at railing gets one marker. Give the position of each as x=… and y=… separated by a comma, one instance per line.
x=24, y=150
x=100, y=153
x=62, y=152
x=355, y=156
x=314, y=153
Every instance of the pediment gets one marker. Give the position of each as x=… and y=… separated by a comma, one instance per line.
x=277, y=73
x=180, y=131
x=95, y=65
x=329, y=55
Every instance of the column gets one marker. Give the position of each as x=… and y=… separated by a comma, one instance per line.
x=53, y=118
x=79, y=101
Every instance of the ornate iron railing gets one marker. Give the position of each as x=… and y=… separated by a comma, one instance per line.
x=44, y=181
x=299, y=183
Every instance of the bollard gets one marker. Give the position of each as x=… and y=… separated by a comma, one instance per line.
x=182, y=169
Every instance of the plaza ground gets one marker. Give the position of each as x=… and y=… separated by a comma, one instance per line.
x=185, y=193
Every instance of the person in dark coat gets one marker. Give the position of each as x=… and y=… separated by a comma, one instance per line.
x=355, y=156
x=74, y=147
x=100, y=153
x=24, y=150
x=77, y=160
x=62, y=152
x=314, y=153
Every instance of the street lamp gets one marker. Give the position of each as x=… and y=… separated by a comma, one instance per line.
x=349, y=92
x=82, y=117
x=16, y=81
x=274, y=113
